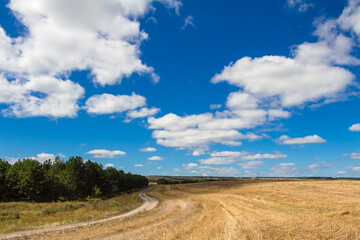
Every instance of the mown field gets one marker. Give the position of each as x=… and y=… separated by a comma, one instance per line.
x=18, y=216
x=244, y=209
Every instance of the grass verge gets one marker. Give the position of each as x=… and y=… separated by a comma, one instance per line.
x=19, y=216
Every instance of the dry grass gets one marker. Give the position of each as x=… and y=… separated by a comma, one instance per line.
x=240, y=210
x=18, y=216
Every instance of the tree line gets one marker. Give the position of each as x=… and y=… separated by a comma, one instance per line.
x=30, y=180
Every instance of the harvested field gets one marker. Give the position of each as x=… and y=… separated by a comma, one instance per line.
x=246, y=209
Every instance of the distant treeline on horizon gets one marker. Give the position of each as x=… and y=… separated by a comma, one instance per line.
x=30, y=180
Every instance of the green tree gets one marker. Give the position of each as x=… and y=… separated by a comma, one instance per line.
x=4, y=186
x=26, y=178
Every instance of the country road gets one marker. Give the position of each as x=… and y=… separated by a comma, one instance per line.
x=149, y=203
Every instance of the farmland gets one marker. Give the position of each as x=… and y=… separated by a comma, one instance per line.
x=244, y=209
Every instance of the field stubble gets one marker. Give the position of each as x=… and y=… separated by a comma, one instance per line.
x=239, y=210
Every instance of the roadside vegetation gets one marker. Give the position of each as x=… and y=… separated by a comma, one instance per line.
x=30, y=180
x=19, y=216
x=161, y=181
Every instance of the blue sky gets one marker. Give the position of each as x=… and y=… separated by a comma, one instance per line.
x=170, y=87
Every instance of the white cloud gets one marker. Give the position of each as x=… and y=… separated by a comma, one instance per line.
x=354, y=155
x=278, y=113
x=103, y=153
x=240, y=100
x=198, y=153
x=313, y=166
x=284, y=170
x=42, y=157
x=59, y=100
x=263, y=156
x=228, y=154
x=341, y=172
x=158, y=167
x=196, y=131
x=189, y=21
x=175, y=123
x=217, y=160
x=215, y=106
x=299, y=5
x=355, y=127
x=250, y=164
x=220, y=171
x=109, y=165
x=148, y=149
x=143, y=112
x=190, y=165
x=107, y=103
x=292, y=81
x=103, y=37
x=228, y=157
x=155, y=158
x=350, y=18
x=138, y=165
x=304, y=140
x=355, y=169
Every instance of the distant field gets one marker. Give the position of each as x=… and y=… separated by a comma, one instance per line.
x=244, y=209
x=18, y=216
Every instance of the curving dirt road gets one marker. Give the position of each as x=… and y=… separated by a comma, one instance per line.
x=149, y=203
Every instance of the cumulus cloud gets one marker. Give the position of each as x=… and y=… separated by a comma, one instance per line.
x=299, y=5
x=143, y=112
x=215, y=106
x=198, y=152
x=228, y=154
x=196, y=131
x=228, y=157
x=138, y=165
x=350, y=18
x=355, y=169
x=109, y=165
x=354, y=155
x=148, y=149
x=155, y=158
x=264, y=156
x=214, y=171
x=313, y=166
x=108, y=103
x=287, y=80
x=103, y=153
x=284, y=170
x=355, y=127
x=191, y=165
x=218, y=160
x=58, y=97
x=103, y=37
x=42, y=157
x=251, y=164
x=284, y=139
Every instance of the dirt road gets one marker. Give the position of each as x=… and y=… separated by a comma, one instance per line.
x=149, y=203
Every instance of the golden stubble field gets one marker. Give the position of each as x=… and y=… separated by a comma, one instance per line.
x=246, y=209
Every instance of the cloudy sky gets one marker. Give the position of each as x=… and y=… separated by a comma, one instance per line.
x=170, y=87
